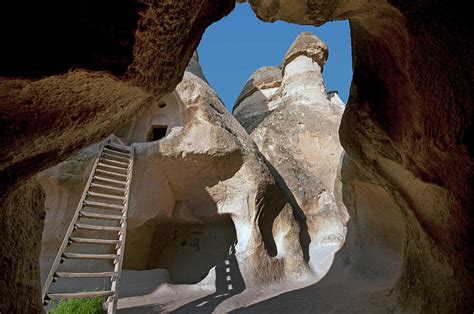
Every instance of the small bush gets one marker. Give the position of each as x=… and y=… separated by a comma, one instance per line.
x=79, y=306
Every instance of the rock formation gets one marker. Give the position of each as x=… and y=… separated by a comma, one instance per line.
x=197, y=192
x=407, y=129
x=291, y=119
x=408, y=126
x=71, y=75
x=192, y=200
x=295, y=126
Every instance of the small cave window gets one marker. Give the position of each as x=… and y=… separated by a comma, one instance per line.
x=162, y=105
x=157, y=132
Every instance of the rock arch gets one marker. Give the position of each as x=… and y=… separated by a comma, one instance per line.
x=408, y=122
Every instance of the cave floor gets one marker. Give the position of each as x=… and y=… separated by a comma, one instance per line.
x=340, y=290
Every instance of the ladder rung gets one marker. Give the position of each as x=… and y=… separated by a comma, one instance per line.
x=102, y=205
x=94, y=241
x=111, y=167
x=111, y=173
x=100, y=216
x=113, y=188
x=114, y=197
x=90, y=256
x=117, y=147
x=79, y=295
x=119, y=158
x=125, y=164
x=84, y=275
x=108, y=183
x=109, y=180
x=110, y=151
x=98, y=228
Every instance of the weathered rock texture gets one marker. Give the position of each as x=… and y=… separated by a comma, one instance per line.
x=408, y=125
x=298, y=135
x=21, y=226
x=73, y=73
x=199, y=193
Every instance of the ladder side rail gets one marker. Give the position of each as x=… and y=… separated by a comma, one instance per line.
x=70, y=229
x=112, y=306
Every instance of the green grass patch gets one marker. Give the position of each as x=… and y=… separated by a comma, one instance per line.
x=79, y=306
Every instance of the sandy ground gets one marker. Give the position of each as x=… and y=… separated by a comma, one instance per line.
x=340, y=290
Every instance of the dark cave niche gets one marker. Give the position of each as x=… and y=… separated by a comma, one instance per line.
x=189, y=251
x=157, y=133
x=41, y=38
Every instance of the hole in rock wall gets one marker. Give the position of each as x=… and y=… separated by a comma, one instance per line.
x=154, y=123
x=186, y=250
x=157, y=133
x=251, y=44
x=189, y=251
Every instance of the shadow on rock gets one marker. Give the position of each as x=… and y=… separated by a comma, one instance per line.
x=229, y=282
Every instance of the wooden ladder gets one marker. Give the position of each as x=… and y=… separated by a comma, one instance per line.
x=107, y=190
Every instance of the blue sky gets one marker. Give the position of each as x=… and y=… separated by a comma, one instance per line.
x=234, y=47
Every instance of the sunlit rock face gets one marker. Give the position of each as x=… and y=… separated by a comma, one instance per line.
x=298, y=135
x=409, y=119
x=200, y=193
x=408, y=126
x=254, y=101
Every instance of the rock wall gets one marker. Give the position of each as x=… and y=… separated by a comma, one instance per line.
x=151, y=64
x=63, y=186
x=75, y=72
x=21, y=225
x=408, y=124
x=199, y=194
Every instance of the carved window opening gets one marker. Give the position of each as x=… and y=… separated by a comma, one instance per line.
x=157, y=132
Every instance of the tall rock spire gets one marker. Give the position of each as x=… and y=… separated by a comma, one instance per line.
x=309, y=45
x=302, y=70
x=298, y=136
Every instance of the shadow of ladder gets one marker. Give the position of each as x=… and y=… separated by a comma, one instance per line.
x=108, y=182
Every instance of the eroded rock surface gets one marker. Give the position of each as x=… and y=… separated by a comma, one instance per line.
x=21, y=226
x=408, y=125
x=298, y=135
x=72, y=74
x=199, y=194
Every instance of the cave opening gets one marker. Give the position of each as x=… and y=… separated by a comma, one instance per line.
x=157, y=132
x=188, y=251
x=252, y=44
